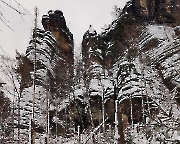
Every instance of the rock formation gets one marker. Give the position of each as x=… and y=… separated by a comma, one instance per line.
x=128, y=73
x=124, y=52
x=48, y=64
x=55, y=22
x=160, y=11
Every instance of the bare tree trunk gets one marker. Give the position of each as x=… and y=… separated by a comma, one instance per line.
x=121, y=140
x=47, y=108
x=32, y=132
x=34, y=84
x=19, y=119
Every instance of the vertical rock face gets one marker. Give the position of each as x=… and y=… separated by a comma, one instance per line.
x=54, y=49
x=55, y=22
x=134, y=63
x=141, y=55
x=47, y=64
x=155, y=10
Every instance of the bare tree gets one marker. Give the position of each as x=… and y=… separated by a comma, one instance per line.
x=18, y=8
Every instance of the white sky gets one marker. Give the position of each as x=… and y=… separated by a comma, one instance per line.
x=79, y=14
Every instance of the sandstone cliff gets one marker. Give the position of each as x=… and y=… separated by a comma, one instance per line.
x=130, y=69
x=160, y=11
x=139, y=55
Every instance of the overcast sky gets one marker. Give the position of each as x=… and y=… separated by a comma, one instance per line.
x=79, y=14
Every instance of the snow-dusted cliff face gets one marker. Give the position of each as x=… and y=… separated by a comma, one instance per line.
x=152, y=75
x=161, y=11
x=131, y=69
x=140, y=59
x=46, y=78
